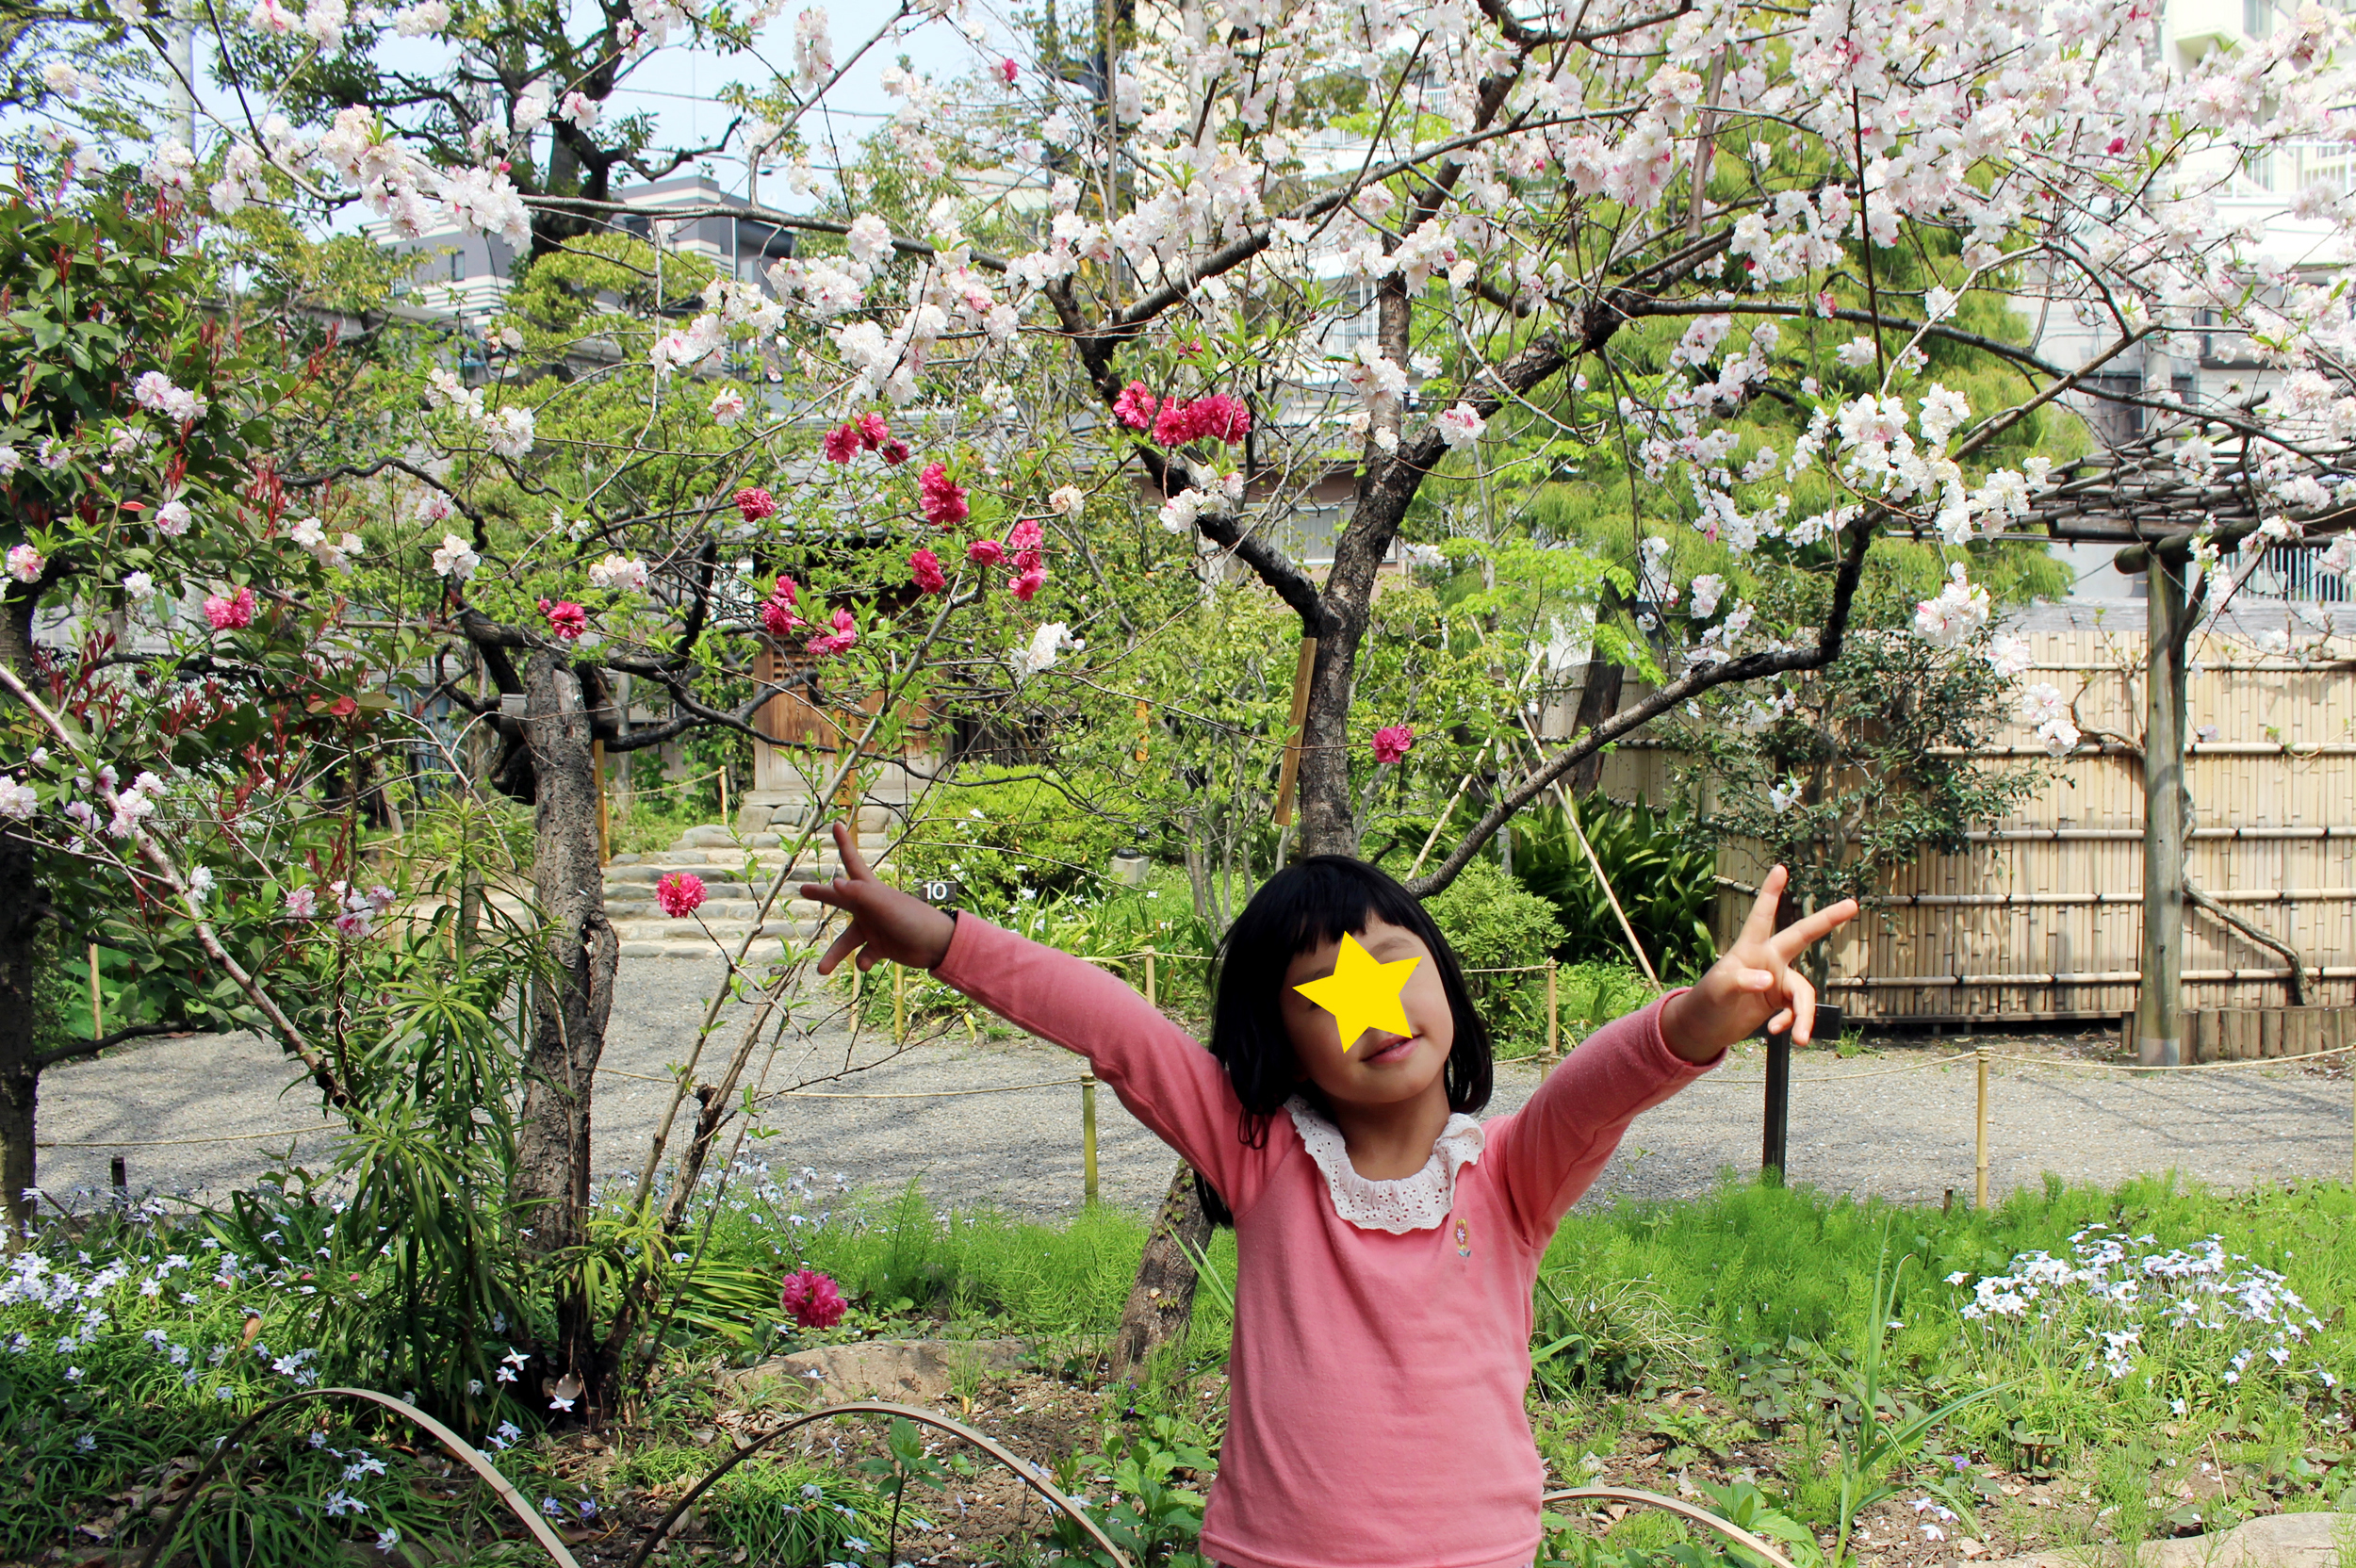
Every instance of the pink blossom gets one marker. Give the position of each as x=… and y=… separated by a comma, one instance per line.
x=230, y=615
x=566, y=619
x=944, y=499
x=893, y=451
x=1391, y=742
x=1222, y=417
x=25, y=562
x=1025, y=540
x=777, y=615
x=680, y=893
x=756, y=503
x=1008, y=70
x=986, y=552
x=845, y=633
x=811, y=1299
x=925, y=567
x=302, y=903
x=840, y=445
x=1028, y=582
x=1176, y=424
x=1134, y=406
x=872, y=432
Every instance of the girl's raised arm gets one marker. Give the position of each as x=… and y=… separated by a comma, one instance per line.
x=1553, y=1147
x=1168, y=1081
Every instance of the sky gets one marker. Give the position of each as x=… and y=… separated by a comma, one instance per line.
x=677, y=85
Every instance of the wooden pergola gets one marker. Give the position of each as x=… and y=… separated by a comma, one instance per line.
x=2137, y=495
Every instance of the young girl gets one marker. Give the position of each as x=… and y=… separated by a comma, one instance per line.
x=1386, y=1242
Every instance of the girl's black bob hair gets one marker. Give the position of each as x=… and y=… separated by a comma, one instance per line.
x=1316, y=900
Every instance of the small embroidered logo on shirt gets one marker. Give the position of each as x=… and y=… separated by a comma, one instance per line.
x=1463, y=1241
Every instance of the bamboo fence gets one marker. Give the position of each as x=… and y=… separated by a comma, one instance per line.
x=2041, y=920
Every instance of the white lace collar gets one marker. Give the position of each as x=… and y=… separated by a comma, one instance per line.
x=1418, y=1203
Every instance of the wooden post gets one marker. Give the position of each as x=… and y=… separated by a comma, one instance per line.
x=1087, y=1138
x=1554, y=1015
x=1291, y=769
x=597, y=770
x=899, y=1005
x=97, y=1008
x=1979, y=1179
x=1596, y=865
x=1150, y=987
x=2159, y=1001
x=724, y=794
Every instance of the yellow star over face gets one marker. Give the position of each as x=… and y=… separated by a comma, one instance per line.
x=1362, y=993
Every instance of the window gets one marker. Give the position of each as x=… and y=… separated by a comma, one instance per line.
x=458, y=265
x=1356, y=320
x=2294, y=572
x=2257, y=17
x=2114, y=423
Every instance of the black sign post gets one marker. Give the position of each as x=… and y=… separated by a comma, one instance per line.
x=1775, y=1136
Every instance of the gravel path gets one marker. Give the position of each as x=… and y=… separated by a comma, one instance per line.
x=1856, y=1127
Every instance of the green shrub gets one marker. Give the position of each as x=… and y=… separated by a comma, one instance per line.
x=1005, y=830
x=1665, y=874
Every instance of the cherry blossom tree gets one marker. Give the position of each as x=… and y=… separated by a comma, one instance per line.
x=1241, y=253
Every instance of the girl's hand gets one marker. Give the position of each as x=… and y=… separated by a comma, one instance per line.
x=1753, y=982
x=885, y=922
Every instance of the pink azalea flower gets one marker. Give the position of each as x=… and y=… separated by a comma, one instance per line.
x=566, y=619
x=1028, y=582
x=680, y=893
x=840, y=445
x=756, y=503
x=1134, y=406
x=943, y=497
x=925, y=567
x=872, y=432
x=813, y=1300
x=230, y=615
x=986, y=552
x=1391, y=742
x=845, y=633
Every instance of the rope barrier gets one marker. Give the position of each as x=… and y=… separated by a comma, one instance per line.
x=175, y=1143
x=934, y=1094
x=2180, y=1066
x=2039, y=1061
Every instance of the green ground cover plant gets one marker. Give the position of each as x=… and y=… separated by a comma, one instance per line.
x=2074, y=1366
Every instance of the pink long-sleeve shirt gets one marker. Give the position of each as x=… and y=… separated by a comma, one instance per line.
x=1376, y=1380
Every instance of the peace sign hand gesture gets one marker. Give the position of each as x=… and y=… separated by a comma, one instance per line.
x=885, y=922
x=1753, y=982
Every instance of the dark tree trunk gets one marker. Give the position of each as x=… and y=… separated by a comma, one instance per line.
x=1162, y=1297
x=1597, y=701
x=21, y=905
x=570, y=1005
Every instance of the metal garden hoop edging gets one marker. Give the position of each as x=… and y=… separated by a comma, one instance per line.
x=548, y=1539
x=1687, y=1511
x=1014, y=1462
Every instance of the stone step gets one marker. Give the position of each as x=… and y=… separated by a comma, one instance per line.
x=713, y=836
x=674, y=939
x=741, y=908
x=653, y=867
